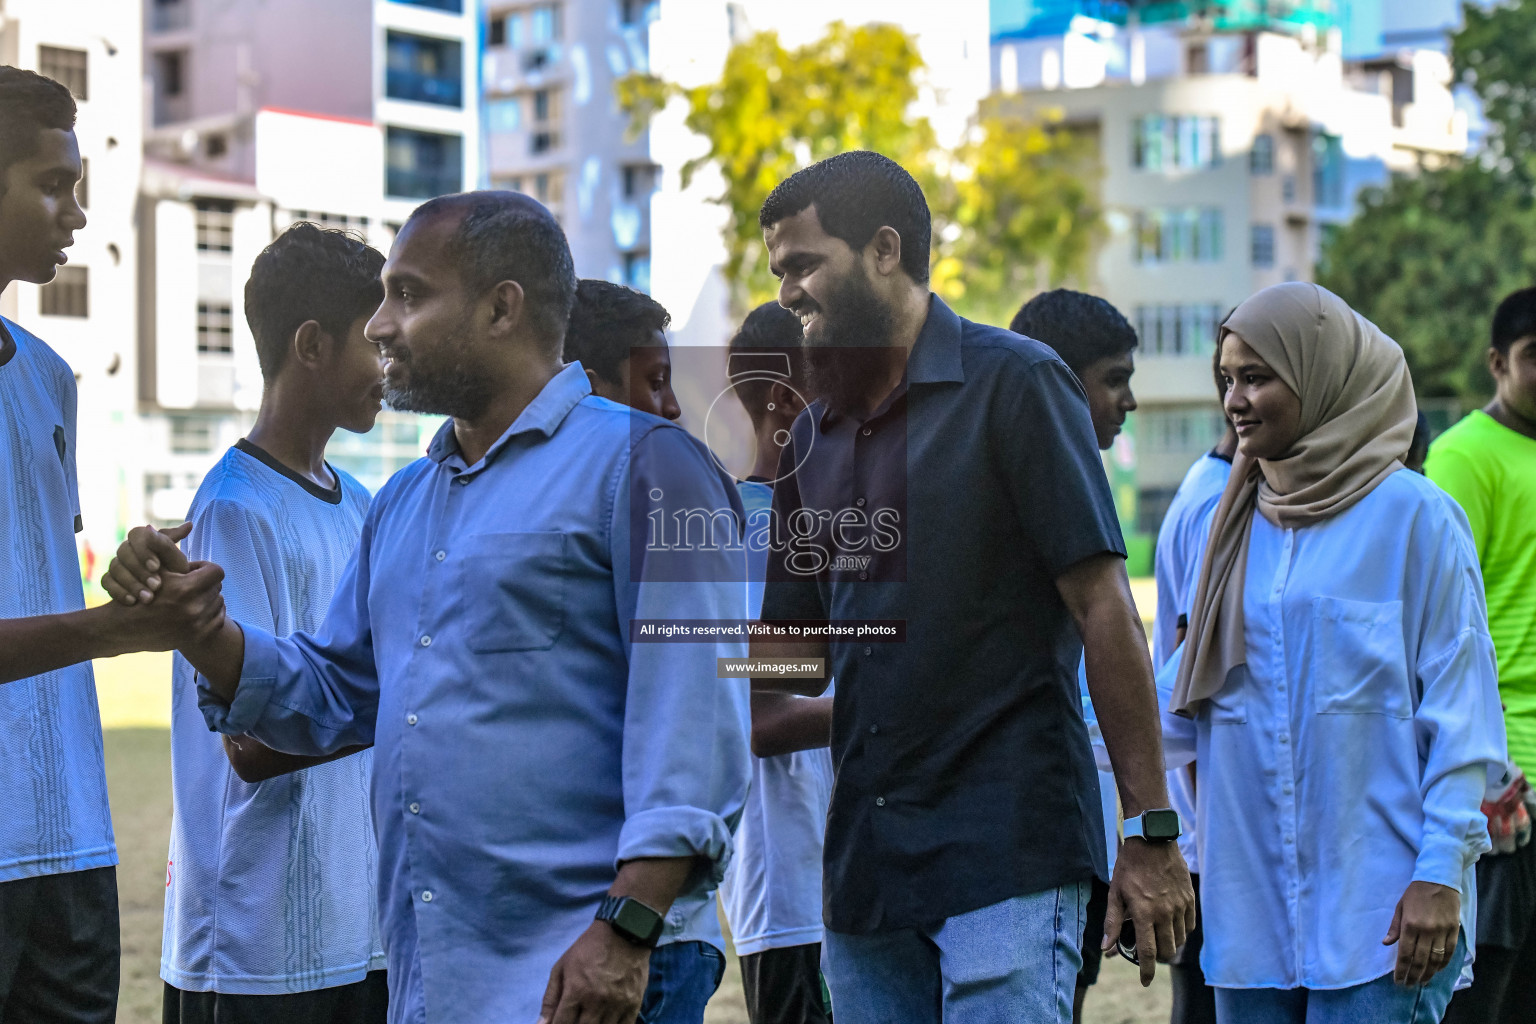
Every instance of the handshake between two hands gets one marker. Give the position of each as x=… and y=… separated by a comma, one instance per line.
x=161, y=599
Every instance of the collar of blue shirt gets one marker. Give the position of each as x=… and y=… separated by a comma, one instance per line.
x=543, y=415
x=935, y=357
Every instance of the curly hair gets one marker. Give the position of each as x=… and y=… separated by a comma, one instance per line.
x=309, y=273
x=29, y=105
x=1082, y=328
x=856, y=194
x=607, y=320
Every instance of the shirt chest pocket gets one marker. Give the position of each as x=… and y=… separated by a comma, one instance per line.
x=512, y=586
x=1359, y=662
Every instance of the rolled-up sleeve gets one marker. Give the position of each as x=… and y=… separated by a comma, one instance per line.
x=686, y=759
x=1459, y=722
x=308, y=694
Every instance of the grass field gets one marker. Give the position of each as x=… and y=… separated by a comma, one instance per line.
x=135, y=708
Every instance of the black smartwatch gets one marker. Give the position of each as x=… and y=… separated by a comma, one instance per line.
x=634, y=921
x=1160, y=825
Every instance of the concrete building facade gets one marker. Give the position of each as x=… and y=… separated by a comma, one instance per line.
x=87, y=313
x=351, y=123
x=1227, y=158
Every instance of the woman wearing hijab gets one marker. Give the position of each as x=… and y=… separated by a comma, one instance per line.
x=1337, y=687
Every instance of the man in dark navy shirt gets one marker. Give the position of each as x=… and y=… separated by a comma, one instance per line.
x=946, y=477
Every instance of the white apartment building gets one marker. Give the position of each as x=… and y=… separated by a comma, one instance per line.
x=1226, y=159
x=262, y=113
x=87, y=313
x=555, y=131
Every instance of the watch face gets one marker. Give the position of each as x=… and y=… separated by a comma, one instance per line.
x=636, y=919
x=1161, y=824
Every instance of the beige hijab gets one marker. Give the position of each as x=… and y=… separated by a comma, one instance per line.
x=1357, y=419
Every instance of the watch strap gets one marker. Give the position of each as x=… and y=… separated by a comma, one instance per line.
x=632, y=920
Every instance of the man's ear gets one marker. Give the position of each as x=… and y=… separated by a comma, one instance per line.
x=785, y=399
x=1498, y=362
x=309, y=345
x=886, y=249
x=508, y=303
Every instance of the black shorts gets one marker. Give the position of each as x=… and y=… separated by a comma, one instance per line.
x=60, y=949
x=362, y=1002
x=1093, y=934
x=783, y=986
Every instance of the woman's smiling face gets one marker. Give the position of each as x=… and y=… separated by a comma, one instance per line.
x=1264, y=411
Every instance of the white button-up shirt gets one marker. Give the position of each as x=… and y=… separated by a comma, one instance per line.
x=1350, y=755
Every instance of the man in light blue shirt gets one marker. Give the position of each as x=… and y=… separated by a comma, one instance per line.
x=534, y=768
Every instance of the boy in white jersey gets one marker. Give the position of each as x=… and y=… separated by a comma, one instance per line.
x=269, y=901
x=772, y=891
x=59, y=946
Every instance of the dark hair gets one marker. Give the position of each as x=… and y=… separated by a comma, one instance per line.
x=607, y=320
x=769, y=330
x=1514, y=319
x=855, y=195
x=1082, y=328
x=1221, y=384
x=309, y=273
x=507, y=236
x=1420, y=443
x=29, y=105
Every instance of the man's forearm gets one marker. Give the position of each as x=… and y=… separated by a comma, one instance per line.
x=43, y=643
x=219, y=659
x=783, y=723
x=1125, y=700
x=654, y=881
x=797, y=652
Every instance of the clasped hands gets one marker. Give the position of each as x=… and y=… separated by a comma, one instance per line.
x=162, y=598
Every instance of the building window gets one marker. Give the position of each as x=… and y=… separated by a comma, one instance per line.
x=67, y=67
x=1327, y=170
x=420, y=165
x=504, y=115
x=170, y=77
x=547, y=105
x=1185, y=329
x=1176, y=430
x=216, y=146
x=339, y=221
x=1162, y=143
x=637, y=271
x=545, y=23
x=68, y=294
x=215, y=225
x=549, y=188
x=213, y=329
x=543, y=142
x=1263, y=245
x=168, y=15
x=1183, y=235
x=496, y=32
x=423, y=70
x=1261, y=158
x=639, y=180
x=638, y=12
x=453, y=6
x=83, y=186
x=1288, y=188
x=191, y=435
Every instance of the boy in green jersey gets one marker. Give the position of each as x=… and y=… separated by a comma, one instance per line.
x=1487, y=462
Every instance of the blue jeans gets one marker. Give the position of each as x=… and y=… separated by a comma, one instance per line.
x=1377, y=1002
x=1014, y=962
x=683, y=977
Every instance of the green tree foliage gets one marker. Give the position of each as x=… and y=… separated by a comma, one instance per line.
x=1014, y=206
x=1430, y=255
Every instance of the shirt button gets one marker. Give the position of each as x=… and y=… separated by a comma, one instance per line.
x=863, y=575
x=415, y=808
x=461, y=479
x=879, y=801
x=859, y=502
x=440, y=555
x=426, y=641
x=1289, y=840
x=426, y=895
x=874, y=729
x=1287, y=790
x=869, y=650
x=1284, y=738
x=410, y=719
x=865, y=431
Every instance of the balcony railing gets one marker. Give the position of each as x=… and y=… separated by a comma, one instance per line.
x=420, y=184
x=413, y=85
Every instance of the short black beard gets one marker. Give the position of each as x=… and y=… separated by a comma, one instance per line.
x=854, y=348
x=447, y=386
